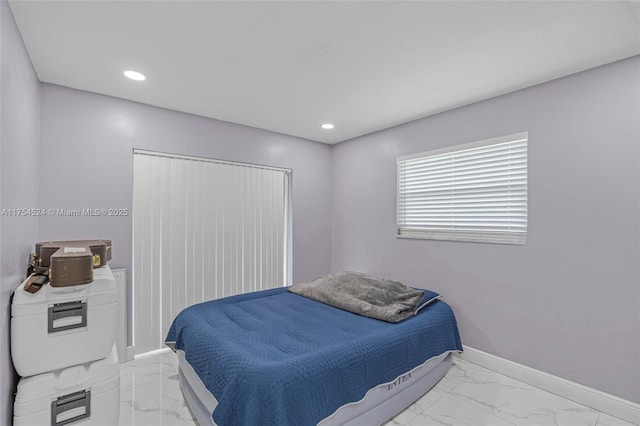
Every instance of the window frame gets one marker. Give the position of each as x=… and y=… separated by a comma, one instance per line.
x=517, y=237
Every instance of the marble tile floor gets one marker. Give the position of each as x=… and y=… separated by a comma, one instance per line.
x=468, y=395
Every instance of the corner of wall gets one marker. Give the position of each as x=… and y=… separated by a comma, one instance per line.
x=19, y=146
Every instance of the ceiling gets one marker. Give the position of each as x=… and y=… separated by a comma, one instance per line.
x=291, y=66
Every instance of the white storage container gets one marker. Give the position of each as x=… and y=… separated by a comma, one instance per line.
x=86, y=394
x=58, y=327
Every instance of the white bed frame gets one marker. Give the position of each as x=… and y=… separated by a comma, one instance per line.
x=379, y=405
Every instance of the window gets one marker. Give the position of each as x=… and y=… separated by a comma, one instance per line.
x=203, y=229
x=473, y=192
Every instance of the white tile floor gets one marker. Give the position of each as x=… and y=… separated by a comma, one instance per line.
x=468, y=395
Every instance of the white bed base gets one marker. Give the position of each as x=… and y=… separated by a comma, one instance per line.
x=380, y=403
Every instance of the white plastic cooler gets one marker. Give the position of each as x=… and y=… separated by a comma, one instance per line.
x=86, y=394
x=58, y=327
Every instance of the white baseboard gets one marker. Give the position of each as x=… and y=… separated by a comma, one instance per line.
x=152, y=353
x=610, y=404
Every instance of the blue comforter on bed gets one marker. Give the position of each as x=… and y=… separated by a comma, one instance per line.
x=276, y=358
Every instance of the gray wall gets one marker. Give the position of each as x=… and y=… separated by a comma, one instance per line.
x=567, y=302
x=19, y=142
x=86, y=162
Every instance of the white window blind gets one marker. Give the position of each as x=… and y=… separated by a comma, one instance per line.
x=472, y=192
x=203, y=229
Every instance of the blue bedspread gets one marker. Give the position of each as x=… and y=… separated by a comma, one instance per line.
x=276, y=358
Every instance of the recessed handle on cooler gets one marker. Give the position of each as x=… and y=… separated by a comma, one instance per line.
x=74, y=401
x=67, y=310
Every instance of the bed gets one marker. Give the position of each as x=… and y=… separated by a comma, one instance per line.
x=273, y=357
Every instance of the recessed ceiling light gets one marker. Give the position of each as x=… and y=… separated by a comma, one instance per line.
x=134, y=75
x=327, y=126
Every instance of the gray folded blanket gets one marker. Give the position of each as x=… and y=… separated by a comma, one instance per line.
x=363, y=294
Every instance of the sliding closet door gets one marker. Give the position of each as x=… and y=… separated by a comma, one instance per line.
x=203, y=229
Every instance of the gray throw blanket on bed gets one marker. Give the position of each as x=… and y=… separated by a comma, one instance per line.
x=362, y=294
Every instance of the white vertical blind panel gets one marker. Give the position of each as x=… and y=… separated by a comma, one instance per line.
x=202, y=230
x=209, y=232
x=163, y=210
x=474, y=192
x=152, y=254
x=146, y=296
x=177, y=208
